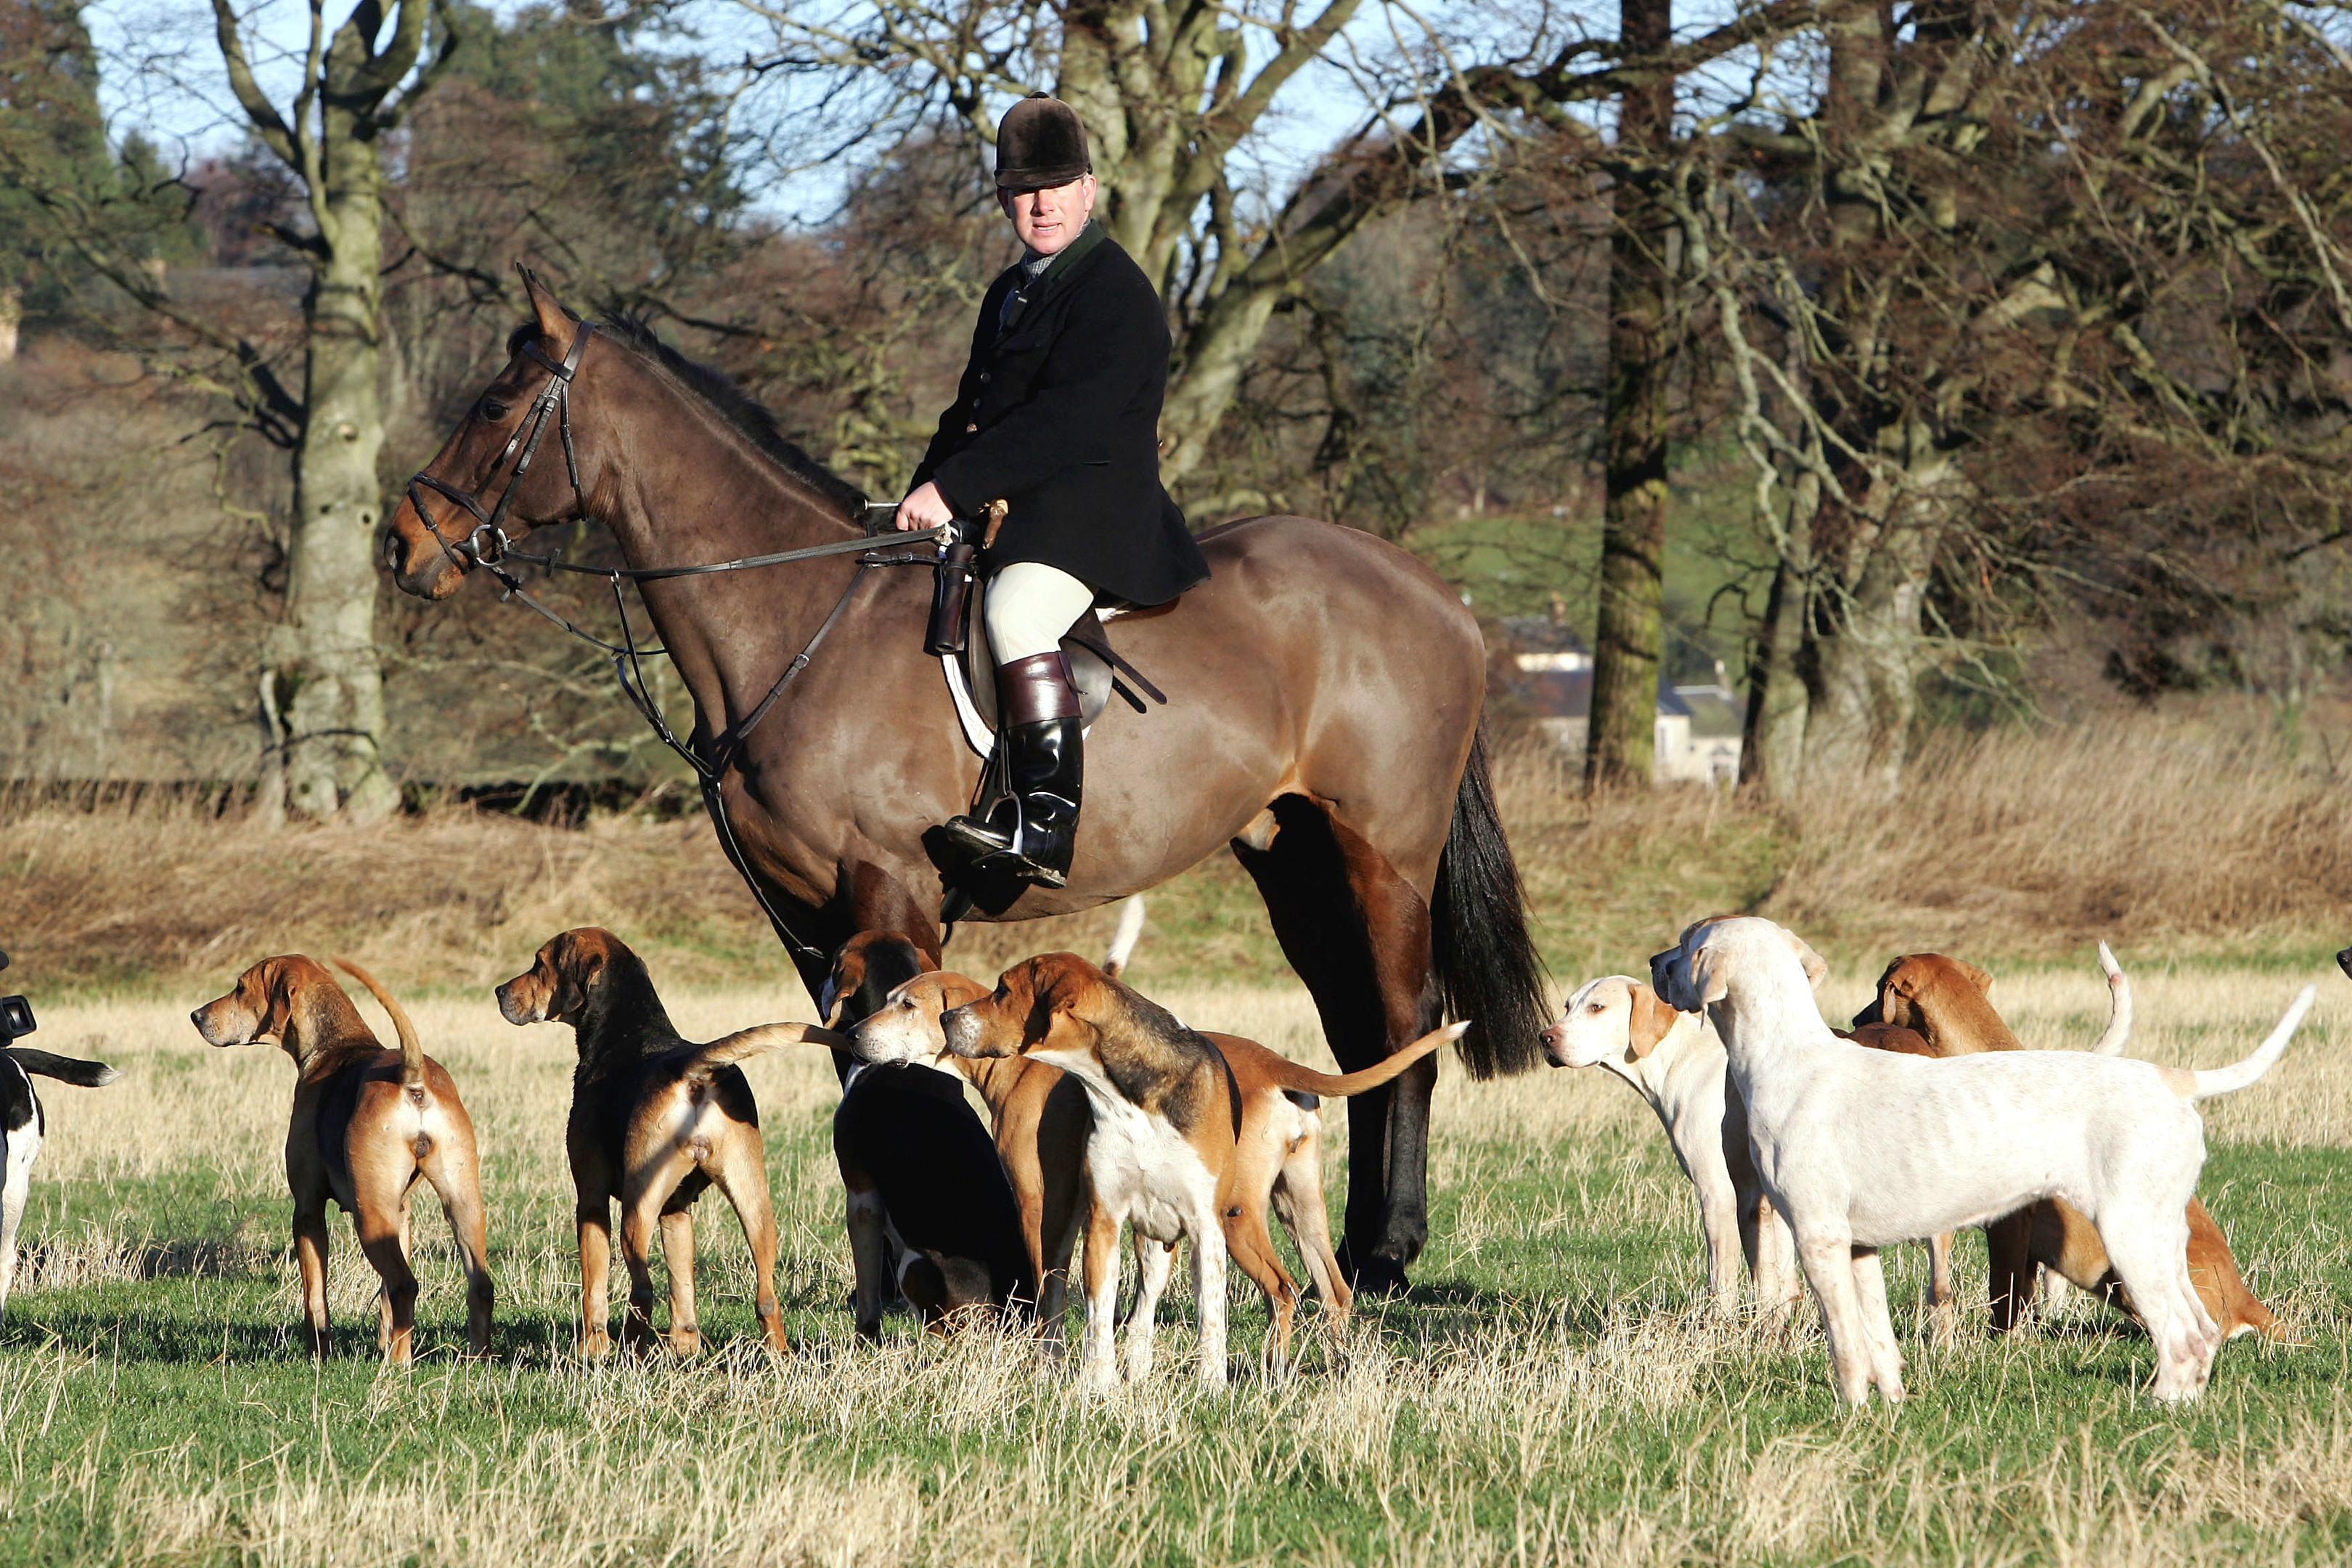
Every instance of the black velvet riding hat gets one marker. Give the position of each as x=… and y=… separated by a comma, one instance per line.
x=1041, y=143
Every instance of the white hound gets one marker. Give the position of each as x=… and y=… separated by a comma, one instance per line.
x=1859, y=1149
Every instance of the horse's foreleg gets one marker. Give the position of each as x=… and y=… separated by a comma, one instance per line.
x=865, y=897
x=1359, y=936
x=871, y=899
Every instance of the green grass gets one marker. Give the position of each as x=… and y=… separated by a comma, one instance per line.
x=1548, y=1392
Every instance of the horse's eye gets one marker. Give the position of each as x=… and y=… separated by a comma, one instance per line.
x=493, y=410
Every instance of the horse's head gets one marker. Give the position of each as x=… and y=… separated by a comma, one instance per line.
x=509, y=461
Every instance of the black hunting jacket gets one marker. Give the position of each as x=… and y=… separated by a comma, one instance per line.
x=1058, y=415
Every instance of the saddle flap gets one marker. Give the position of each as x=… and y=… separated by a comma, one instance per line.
x=1088, y=672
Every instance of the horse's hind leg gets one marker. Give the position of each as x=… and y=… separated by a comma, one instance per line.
x=1359, y=935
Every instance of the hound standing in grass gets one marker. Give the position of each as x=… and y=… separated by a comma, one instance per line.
x=367, y=1124
x=2049, y=1245
x=21, y=1130
x=1675, y=1062
x=655, y=1122
x=1172, y=1150
x=1859, y=1149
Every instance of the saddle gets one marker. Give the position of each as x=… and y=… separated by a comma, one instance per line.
x=958, y=635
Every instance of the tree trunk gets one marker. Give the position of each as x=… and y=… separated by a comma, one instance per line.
x=323, y=653
x=1211, y=360
x=1621, y=735
x=321, y=687
x=1772, y=747
x=1873, y=648
x=1860, y=729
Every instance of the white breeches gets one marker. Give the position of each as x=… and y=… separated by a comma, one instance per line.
x=1030, y=606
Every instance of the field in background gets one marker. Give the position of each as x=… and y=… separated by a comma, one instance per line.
x=1549, y=1392
x=2180, y=842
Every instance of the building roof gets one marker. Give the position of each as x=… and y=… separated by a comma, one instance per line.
x=1714, y=711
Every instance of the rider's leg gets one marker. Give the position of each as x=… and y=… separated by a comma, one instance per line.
x=1030, y=607
x=1029, y=837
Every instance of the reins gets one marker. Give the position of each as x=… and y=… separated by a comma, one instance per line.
x=488, y=547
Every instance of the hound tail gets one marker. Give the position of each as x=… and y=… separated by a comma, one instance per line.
x=1122, y=944
x=2119, y=1007
x=411, y=1053
x=744, y=1044
x=2228, y=1079
x=1290, y=1074
x=65, y=1069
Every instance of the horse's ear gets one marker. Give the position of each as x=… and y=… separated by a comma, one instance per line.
x=556, y=324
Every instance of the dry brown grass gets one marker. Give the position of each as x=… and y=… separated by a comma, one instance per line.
x=2186, y=835
x=2176, y=839
x=160, y=894
x=2212, y=838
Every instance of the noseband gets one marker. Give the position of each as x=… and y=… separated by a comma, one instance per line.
x=486, y=545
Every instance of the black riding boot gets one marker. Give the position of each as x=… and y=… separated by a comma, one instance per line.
x=1028, y=834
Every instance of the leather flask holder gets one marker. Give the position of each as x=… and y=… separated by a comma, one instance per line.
x=951, y=596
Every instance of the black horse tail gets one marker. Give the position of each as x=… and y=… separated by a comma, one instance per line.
x=1488, y=970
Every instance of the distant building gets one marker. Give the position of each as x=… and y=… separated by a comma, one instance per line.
x=1698, y=727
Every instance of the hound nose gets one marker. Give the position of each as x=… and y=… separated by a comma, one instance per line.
x=197, y=1017
x=1551, y=1044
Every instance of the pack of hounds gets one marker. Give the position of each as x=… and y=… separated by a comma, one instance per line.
x=1810, y=1149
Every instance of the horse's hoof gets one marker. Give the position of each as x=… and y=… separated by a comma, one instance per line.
x=1377, y=1277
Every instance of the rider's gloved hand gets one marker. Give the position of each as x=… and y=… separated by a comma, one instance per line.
x=925, y=507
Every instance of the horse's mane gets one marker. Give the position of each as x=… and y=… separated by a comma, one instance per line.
x=729, y=402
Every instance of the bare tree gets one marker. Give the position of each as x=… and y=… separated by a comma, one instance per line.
x=321, y=685
x=2009, y=267
x=320, y=699
x=1179, y=101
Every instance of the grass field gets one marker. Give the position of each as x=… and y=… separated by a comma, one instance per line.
x=1548, y=1393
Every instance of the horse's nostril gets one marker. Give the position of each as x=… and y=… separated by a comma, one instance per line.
x=391, y=552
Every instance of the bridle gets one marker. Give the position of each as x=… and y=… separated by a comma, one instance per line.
x=486, y=546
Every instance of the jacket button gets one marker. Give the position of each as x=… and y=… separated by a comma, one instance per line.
x=984, y=377
x=971, y=429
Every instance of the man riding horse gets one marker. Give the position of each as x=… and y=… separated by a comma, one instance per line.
x=1057, y=417
x=1326, y=733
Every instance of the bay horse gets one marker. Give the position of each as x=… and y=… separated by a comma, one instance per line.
x=1324, y=696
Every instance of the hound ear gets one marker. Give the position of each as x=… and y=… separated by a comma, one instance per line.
x=1046, y=1002
x=277, y=997
x=847, y=977
x=1815, y=967
x=1977, y=977
x=1059, y=995
x=1705, y=985
x=571, y=964
x=556, y=324
x=1651, y=1021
